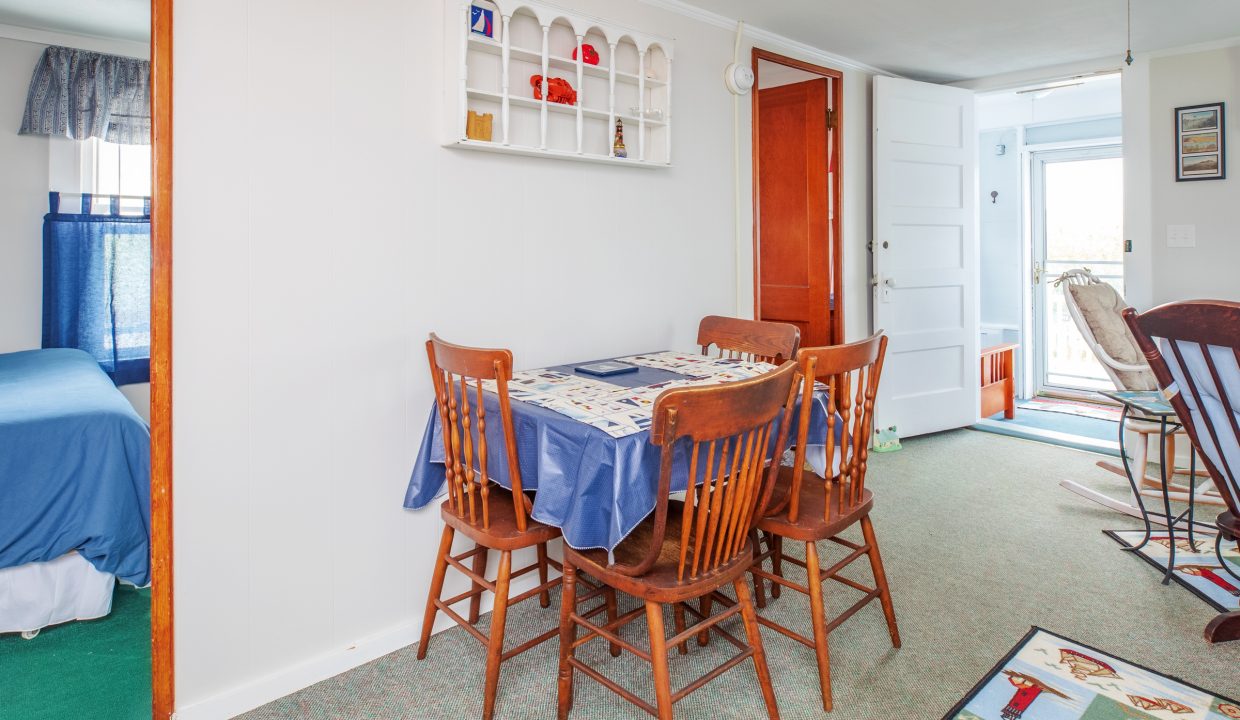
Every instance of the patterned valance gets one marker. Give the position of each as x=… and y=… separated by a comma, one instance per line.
x=79, y=95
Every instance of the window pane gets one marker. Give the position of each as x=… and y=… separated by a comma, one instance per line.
x=135, y=169
x=107, y=168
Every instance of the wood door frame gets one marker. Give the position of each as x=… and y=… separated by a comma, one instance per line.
x=163, y=679
x=836, y=186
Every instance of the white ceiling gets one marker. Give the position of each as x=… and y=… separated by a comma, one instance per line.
x=949, y=40
x=120, y=19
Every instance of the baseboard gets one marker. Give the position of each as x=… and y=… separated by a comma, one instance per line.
x=259, y=692
x=272, y=687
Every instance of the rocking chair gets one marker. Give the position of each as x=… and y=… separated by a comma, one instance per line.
x=1194, y=350
x=1095, y=307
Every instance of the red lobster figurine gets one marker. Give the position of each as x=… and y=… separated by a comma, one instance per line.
x=558, y=90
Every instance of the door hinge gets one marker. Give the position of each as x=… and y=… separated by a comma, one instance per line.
x=830, y=119
x=831, y=302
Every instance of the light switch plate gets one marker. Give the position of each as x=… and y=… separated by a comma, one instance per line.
x=1181, y=236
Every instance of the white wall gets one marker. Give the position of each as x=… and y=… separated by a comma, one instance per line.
x=322, y=232
x=1000, y=228
x=1212, y=268
x=23, y=202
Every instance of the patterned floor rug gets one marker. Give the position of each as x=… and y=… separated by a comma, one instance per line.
x=1049, y=677
x=1196, y=568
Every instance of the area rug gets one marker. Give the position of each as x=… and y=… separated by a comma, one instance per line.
x=1196, y=568
x=1072, y=407
x=1049, y=677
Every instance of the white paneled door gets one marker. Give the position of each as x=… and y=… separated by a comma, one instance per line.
x=925, y=255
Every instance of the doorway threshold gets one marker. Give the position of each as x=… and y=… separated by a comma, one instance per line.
x=1029, y=430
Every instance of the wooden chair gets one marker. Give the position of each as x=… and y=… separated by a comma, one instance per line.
x=751, y=340
x=493, y=517
x=806, y=508
x=1194, y=350
x=689, y=549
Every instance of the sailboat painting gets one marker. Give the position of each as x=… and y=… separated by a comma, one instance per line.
x=1050, y=677
x=481, y=21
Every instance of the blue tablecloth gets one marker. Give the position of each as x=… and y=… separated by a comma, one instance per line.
x=594, y=487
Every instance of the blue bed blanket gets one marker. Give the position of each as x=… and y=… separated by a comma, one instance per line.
x=75, y=466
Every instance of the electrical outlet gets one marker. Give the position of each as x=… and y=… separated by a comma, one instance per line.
x=1183, y=236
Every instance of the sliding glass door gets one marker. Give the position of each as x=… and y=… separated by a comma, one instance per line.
x=1078, y=222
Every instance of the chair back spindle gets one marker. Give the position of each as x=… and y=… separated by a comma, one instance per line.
x=458, y=373
x=1193, y=348
x=851, y=373
x=727, y=430
x=749, y=340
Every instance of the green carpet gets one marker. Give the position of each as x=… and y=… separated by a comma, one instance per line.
x=980, y=543
x=90, y=670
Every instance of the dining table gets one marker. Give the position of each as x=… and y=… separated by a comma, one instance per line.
x=583, y=441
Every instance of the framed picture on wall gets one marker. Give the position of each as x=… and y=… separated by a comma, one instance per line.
x=1199, y=143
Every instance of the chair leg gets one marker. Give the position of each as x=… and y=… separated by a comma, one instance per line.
x=704, y=604
x=678, y=616
x=658, y=659
x=777, y=562
x=613, y=612
x=754, y=635
x=759, y=585
x=880, y=579
x=568, y=635
x=818, y=615
x=1171, y=456
x=441, y=569
x=479, y=566
x=496, y=647
x=544, y=597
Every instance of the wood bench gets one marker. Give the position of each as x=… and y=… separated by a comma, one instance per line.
x=999, y=380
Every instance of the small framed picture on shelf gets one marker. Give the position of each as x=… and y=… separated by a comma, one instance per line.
x=482, y=21
x=1200, y=145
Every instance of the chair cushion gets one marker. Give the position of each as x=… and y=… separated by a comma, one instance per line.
x=1100, y=306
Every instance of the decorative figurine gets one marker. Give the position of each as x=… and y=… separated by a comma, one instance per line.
x=617, y=148
x=589, y=55
x=481, y=21
x=558, y=90
x=478, y=126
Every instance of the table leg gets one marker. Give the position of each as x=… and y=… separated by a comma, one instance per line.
x=1162, y=470
x=1136, y=491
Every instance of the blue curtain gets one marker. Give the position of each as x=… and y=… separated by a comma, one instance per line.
x=97, y=286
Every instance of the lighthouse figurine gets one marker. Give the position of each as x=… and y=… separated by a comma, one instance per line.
x=617, y=147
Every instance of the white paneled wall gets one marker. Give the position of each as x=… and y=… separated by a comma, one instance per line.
x=320, y=233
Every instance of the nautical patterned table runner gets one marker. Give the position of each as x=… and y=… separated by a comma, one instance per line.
x=622, y=411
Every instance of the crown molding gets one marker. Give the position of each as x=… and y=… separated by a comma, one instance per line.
x=111, y=46
x=761, y=36
x=1195, y=48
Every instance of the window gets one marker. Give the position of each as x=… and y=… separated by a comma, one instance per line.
x=111, y=169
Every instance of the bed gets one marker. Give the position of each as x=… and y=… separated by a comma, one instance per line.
x=74, y=490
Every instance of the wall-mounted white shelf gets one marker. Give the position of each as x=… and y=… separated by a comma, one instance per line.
x=631, y=82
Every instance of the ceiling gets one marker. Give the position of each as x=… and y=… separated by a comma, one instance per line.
x=120, y=19
x=949, y=40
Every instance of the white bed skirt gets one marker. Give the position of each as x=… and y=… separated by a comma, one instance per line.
x=35, y=595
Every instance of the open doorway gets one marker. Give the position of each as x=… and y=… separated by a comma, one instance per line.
x=85, y=340
x=796, y=162
x=1051, y=188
